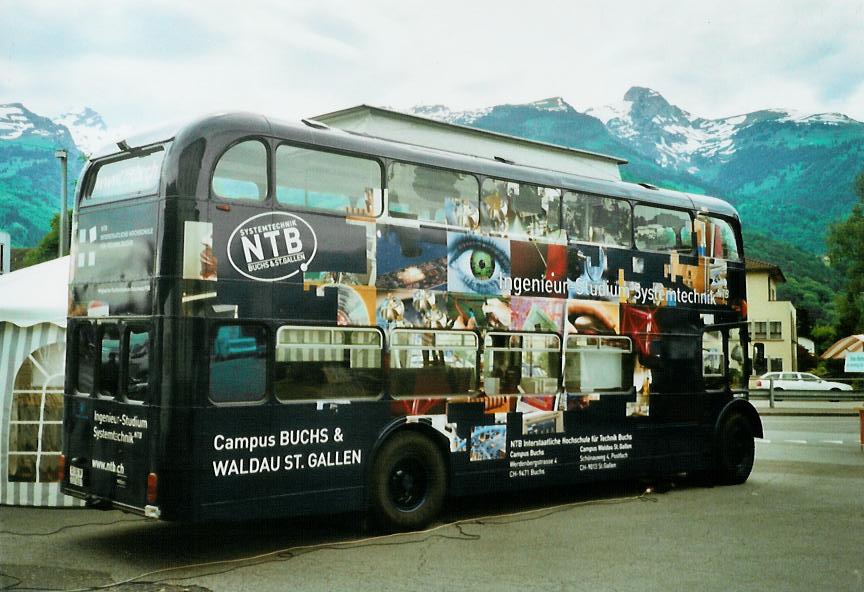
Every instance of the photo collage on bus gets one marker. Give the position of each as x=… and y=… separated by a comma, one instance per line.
x=514, y=280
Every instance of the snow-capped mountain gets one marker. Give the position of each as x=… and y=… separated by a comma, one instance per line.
x=677, y=139
x=788, y=173
x=647, y=120
x=17, y=123
x=87, y=127
x=30, y=172
x=443, y=113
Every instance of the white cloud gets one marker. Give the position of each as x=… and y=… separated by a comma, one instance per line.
x=146, y=62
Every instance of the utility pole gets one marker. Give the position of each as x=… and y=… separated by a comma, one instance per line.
x=62, y=156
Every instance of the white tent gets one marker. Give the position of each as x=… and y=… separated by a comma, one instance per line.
x=841, y=347
x=33, y=304
x=36, y=294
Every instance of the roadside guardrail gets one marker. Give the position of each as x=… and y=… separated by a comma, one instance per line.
x=773, y=395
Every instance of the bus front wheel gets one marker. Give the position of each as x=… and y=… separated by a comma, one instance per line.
x=735, y=450
x=409, y=481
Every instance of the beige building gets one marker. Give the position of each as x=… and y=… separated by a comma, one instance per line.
x=422, y=131
x=772, y=322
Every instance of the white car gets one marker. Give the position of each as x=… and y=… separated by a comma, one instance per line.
x=799, y=381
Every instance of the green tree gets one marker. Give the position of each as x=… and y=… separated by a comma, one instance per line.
x=846, y=250
x=47, y=247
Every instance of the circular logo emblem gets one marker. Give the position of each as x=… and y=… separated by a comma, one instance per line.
x=272, y=246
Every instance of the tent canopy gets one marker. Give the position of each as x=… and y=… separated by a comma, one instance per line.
x=838, y=351
x=37, y=294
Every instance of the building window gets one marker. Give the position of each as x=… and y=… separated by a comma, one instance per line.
x=760, y=363
x=326, y=181
x=775, y=364
x=238, y=364
x=760, y=330
x=594, y=363
x=327, y=363
x=426, y=362
x=775, y=330
x=521, y=363
x=36, y=422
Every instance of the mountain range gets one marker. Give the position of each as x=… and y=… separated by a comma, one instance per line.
x=789, y=174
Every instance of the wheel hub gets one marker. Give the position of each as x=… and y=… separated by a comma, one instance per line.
x=408, y=484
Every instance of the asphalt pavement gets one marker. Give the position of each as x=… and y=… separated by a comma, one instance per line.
x=795, y=525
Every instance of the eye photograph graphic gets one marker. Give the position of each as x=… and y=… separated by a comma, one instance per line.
x=477, y=264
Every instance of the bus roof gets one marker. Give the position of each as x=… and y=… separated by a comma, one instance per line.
x=237, y=125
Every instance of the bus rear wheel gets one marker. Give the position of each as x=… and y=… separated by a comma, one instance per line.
x=408, y=483
x=735, y=451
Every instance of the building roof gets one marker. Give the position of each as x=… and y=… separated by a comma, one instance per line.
x=358, y=109
x=852, y=343
x=773, y=270
x=37, y=294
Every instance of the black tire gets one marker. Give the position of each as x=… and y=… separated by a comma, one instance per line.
x=734, y=451
x=408, y=482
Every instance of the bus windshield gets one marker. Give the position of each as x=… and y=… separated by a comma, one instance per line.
x=135, y=176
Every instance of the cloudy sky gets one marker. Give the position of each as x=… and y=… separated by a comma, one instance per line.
x=144, y=63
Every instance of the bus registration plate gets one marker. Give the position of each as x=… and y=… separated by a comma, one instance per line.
x=76, y=476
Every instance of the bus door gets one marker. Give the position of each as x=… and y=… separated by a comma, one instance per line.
x=725, y=364
x=111, y=413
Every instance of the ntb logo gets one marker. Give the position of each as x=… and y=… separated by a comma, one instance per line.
x=272, y=246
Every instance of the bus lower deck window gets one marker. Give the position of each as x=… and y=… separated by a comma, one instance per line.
x=327, y=363
x=85, y=358
x=238, y=364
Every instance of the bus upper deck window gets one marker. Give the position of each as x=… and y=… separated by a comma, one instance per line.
x=519, y=209
x=241, y=173
x=434, y=195
x=327, y=181
x=134, y=176
x=716, y=238
x=662, y=229
x=596, y=219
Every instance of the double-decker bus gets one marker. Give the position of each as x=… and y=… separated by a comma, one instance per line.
x=277, y=319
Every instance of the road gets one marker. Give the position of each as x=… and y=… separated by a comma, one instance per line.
x=797, y=524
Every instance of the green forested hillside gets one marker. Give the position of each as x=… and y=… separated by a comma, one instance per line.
x=30, y=173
